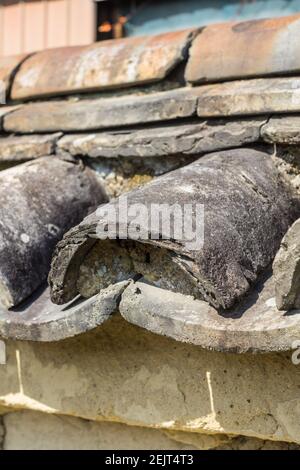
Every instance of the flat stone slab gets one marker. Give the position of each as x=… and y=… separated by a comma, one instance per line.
x=101, y=113
x=164, y=140
x=27, y=147
x=282, y=130
x=39, y=319
x=248, y=49
x=246, y=97
x=251, y=97
x=255, y=326
x=106, y=64
x=8, y=66
x=4, y=110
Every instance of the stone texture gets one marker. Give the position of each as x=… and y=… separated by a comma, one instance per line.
x=27, y=147
x=40, y=201
x=247, y=49
x=8, y=67
x=4, y=110
x=251, y=97
x=27, y=430
x=106, y=64
x=253, y=326
x=242, y=197
x=122, y=373
x=100, y=113
x=165, y=140
x=287, y=270
x=246, y=97
x=282, y=130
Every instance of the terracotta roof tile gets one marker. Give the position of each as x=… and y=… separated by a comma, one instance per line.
x=108, y=64
x=8, y=66
x=239, y=50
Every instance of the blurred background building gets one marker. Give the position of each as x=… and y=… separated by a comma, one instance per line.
x=30, y=25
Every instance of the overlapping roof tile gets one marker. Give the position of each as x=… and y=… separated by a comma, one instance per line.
x=246, y=49
x=108, y=64
x=241, y=92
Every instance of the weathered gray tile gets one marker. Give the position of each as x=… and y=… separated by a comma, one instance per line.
x=27, y=147
x=242, y=199
x=246, y=97
x=255, y=326
x=38, y=319
x=40, y=201
x=282, y=130
x=165, y=140
x=102, y=113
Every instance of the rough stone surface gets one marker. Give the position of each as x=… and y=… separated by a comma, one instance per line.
x=8, y=66
x=106, y=64
x=27, y=147
x=282, y=130
x=40, y=201
x=254, y=326
x=165, y=140
x=27, y=430
x=287, y=270
x=246, y=49
x=246, y=97
x=4, y=110
x=122, y=373
x=238, y=244
x=251, y=97
x=100, y=113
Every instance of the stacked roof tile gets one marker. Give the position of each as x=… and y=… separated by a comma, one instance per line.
x=117, y=115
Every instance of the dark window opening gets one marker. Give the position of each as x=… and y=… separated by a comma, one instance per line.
x=112, y=16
